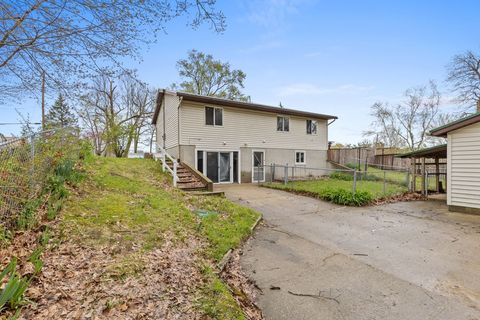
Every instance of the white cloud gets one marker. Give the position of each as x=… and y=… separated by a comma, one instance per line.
x=272, y=13
x=312, y=89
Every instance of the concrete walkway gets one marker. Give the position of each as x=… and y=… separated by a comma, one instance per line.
x=315, y=260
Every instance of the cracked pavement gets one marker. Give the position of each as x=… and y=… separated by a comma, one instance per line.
x=407, y=260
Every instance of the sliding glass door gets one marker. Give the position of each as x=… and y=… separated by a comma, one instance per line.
x=219, y=166
x=212, y=166
x=224, y=167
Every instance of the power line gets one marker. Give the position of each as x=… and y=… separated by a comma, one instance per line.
x=16, y=123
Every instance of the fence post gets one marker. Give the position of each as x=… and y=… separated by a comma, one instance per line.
x=384, y=182
x=273, y=172
x=354, y=181
x=285, y=174
x=175, y=177
x=32, y=155
x=426, y=183
x=163, y=161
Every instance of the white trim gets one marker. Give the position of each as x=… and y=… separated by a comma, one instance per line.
x=276, y=123
x=304, y=157
x=231, y=151
x=253, y=168
x=449, y=168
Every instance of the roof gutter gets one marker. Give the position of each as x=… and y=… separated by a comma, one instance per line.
x=329, y=123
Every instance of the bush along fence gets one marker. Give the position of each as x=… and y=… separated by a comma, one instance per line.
x=34, y=171
x=348, y=185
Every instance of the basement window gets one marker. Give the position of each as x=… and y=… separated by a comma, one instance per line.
x=300, y=157
x=213, y=116
x=283, y=124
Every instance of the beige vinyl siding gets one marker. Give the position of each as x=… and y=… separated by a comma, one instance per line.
x=464, y=167
x=246, y=128
x=169, y=110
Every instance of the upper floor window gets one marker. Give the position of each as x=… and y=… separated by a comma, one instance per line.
x=283, y=124
x=213, y=116
x=311, y=127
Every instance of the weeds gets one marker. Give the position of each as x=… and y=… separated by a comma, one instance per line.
x=347, y=198
x=14, y=289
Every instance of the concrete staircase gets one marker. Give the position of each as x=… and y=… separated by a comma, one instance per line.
x=188, y=179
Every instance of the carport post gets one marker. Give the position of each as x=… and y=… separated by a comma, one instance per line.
x=384, y=181
x=354, y=181
x=423, y=176
x=409, y=185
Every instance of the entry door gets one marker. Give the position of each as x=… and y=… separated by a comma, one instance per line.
x=258, y=172
x=224, y=167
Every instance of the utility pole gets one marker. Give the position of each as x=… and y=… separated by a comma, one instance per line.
x=43, y=100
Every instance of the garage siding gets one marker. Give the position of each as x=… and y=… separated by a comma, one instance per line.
x=464, y=167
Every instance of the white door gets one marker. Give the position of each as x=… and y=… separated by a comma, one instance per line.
x=258, y=170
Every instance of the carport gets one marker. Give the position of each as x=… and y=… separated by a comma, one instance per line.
x=426, y=163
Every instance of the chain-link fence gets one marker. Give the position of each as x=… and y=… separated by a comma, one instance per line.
x=25, y=165
x=380, y=182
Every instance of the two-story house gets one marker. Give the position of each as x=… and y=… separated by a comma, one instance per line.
x=230, y=141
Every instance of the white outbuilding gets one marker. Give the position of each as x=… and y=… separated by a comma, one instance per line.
x=463, y=163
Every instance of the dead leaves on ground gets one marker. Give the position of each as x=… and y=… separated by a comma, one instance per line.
x=81, y=282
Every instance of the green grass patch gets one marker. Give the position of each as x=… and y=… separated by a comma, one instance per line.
x=216, y=301
x=124, y=203
x=228, y=228
x=341, y=191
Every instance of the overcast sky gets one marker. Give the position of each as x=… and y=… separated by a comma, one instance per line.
x=332, y=57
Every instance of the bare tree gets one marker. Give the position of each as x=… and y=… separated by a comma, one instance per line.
x=464, y=76
x=139, y=100
x=115, y=113
x=71, y=40
x=92, y=122
x=407, y=124
x=385, y=126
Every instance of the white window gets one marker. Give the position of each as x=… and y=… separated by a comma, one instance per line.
x=283, y=124
x=311, y=127
x=300, y=157
x=213, y=116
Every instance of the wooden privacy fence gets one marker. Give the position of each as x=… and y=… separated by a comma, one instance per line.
x=384, y=158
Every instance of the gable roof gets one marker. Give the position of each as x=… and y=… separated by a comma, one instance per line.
x=237, y=104
x=458, y=124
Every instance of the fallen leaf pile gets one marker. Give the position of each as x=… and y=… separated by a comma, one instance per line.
x=234, y=276
x=76, y=284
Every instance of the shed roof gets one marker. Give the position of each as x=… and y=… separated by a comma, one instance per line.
x=237, y=104
x=439, y=151
x=458, y=124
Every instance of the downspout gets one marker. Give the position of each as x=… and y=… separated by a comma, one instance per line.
x=179, y=126
x=164, y=137
x=328, y=142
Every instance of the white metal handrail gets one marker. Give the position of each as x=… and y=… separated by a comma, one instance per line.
x=163, y=156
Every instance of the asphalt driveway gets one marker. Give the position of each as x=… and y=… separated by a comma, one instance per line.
x=315, y=260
